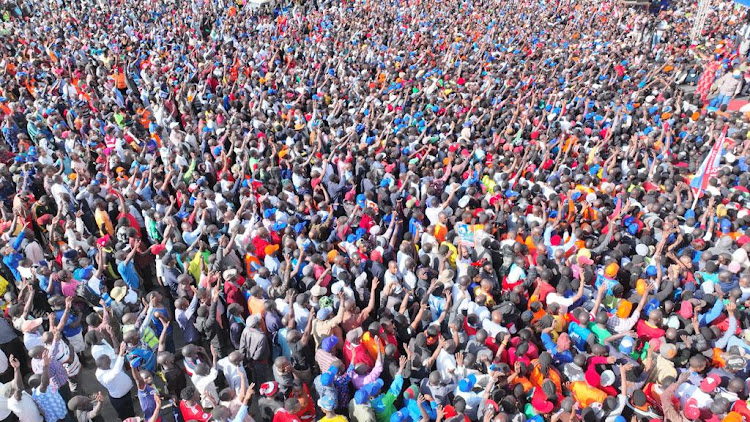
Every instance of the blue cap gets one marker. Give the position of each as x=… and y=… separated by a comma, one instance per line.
x=360, y=232
x=327, y=403
x=329, y=343
x=466, y=384
x=327, y=378
x=400, y=416
x=323, y=313
x=377, y=404
x=361, y=200
x=651, y=271
x=575, y=195
x=651, y=306
x=726, y=225
x=689, y=214
x=374, y=387
x=626, y=345
x=269, y=212
x=299, y=227
x=361, y=397
x=278, y=226
x=633, y=228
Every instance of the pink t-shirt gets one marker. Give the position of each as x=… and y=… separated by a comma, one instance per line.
x=69, y=287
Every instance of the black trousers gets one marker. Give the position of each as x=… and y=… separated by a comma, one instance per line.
x=16, y=348
x=123, y=406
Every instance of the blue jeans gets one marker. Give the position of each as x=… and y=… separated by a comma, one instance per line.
x=720, y=100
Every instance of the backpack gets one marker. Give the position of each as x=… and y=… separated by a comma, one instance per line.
x=84, y=292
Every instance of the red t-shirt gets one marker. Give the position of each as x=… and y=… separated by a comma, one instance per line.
x=357, y=354
x=193, y=412
x=646, y=331
x=282, y=415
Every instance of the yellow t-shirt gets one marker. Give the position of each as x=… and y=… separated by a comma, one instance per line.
x=453, y=255
x=337, y=418
x=104, y=223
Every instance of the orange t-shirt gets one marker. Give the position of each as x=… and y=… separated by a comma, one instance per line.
x=585, y=394
x=372, y=344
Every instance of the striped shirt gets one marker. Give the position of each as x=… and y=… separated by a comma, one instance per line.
x=57, y=374
x=62, y=353
x=324, y=359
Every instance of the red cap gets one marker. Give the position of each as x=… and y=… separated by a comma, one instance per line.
x=157, y=249
x=710, y=383
x=692, y=411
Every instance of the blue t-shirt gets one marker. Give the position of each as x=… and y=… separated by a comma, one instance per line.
x=146, y=398
x=67, y=330
x=129, y=275
x=578, y=335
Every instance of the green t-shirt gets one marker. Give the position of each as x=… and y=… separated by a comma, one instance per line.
x=601, y=333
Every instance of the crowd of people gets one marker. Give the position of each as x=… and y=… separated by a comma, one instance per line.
x=396, y=211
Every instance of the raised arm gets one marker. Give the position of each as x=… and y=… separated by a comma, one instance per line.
x=371, y=304
x=98, y=406
x=139, y=382
x=163, y=337
x=66, y=314
x=17, y=379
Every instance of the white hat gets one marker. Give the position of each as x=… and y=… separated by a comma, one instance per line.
x=641, y=249
x=607, y=378
x=318, y=290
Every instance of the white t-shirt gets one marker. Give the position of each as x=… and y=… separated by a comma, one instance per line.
x=446, y=364
x=433, y=214
x=493, y=328
x=104, y=349
x=206, y=387
x=689, y=391
x=559, y=299
x=232, y=373
x=25, y=408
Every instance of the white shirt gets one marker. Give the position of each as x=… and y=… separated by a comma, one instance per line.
x=103, y=349
x=446, y=364
x=559, y=299
x=206, y=387
x=4, y=411
x=25, y=408
x=689, y=391
x=232, y=373
x=433, y=214
x=33, y=339
x=117, y=382
x=34, y=252
x=492, y=328
x=480, y=311
x=392, y=278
